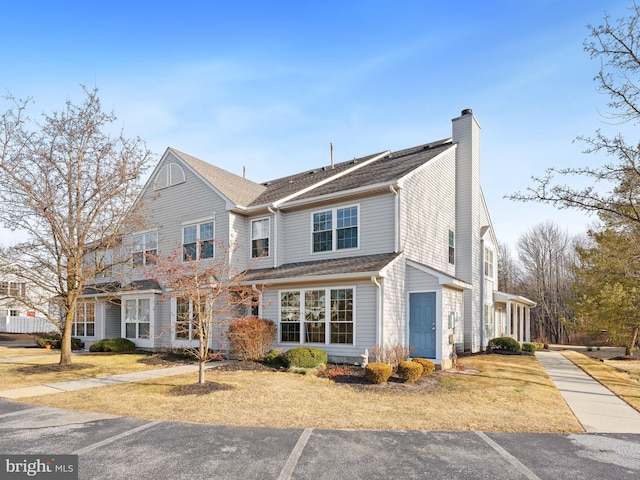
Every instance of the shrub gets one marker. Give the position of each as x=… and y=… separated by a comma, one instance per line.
x=305, y=357
x=377, y=372
x=250, y=338
x=427, y=365
x=113, y=345
x=529, y=347
x=274, y=357
x=504, y=344
x=55, y=340
x=392, y=353
x=409, y=371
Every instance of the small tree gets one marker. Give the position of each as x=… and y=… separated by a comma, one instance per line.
x=68, y=184
x=209, y=294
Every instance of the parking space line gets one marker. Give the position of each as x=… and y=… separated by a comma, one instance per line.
x=109, y=440
x=509, y=458
x=289, y=467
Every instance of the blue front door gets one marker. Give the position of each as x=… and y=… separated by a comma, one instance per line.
x=422, y=324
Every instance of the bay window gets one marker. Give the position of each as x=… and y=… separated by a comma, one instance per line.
x=137, y=318
x=315, y=321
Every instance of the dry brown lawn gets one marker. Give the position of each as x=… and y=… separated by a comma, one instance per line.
x=35, y=371
x=493, y=393
x=622, y=377
x=12, y=352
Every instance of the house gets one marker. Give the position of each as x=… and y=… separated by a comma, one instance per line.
x=17, y=314
x=391, y=248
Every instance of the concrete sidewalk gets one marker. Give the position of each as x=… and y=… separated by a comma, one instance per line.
x=60, y=387
x=596, y=407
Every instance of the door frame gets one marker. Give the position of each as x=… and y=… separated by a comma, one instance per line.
x=438, y=319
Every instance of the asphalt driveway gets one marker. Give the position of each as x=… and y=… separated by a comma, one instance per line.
x=122, y=447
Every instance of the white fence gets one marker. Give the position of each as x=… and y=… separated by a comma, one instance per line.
x=11, y=324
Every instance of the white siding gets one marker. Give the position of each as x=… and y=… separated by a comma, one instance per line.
x=365, y=318
x=375, y=225
x=466, y=133
x=168, y=208
x=428, y=213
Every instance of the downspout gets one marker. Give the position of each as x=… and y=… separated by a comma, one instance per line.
x=396, y=220
x=482, y=346
x=276, y=215
x=379, y=328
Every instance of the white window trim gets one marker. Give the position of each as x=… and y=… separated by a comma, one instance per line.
x=196, y=223
x=487, y=262
x=168, y=171
x=251, y=239
x=95, y=323
x=140, y=342
x=334, y=229
x=174, y=319
x=301, y=321
x=144, y=234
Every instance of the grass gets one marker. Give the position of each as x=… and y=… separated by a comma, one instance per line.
x=35, y=371
x=12, y=352
x=493, y=393
x=621, y=377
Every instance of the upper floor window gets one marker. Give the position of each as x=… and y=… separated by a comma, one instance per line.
x=488, y=262
x=169, y=175
x=144, y=248
x=198, y=241
x=452, y=247
x=260, y=238
x=344, y=230
x=13, y=289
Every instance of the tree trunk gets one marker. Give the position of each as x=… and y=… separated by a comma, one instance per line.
x=201, y=371
x=65, y=344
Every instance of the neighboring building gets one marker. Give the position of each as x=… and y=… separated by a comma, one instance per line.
x=15, y=317
x=394, y=247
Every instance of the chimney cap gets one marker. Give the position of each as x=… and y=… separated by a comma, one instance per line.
x=466, y=111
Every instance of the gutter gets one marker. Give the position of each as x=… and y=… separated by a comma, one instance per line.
x=273, y=209
x=379, y=329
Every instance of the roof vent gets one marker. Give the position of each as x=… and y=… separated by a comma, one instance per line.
x=466, y=111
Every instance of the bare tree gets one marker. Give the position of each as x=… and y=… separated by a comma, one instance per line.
x=508, y=270
x=209, y=295
x=68, y=183
x=546, y=255
x=617, y=46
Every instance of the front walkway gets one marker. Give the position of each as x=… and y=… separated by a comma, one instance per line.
x=596, y=407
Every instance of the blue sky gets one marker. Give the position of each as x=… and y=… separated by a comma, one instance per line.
x=268, y=85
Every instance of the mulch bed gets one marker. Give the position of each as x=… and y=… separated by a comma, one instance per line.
x=53, y=368
x=626, y=358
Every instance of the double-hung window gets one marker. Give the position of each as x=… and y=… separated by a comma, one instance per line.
x=198, y=241
x=137, y=317
x=452, y=247
x=317, y=316
x=488, y=262
x=335, y=229
x=144, y=248
x=188, y=318
x=260, y=238
x=85, y=320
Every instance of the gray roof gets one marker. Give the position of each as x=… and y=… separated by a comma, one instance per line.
x=387, y=169
x=334, y=266
x=237, y=189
